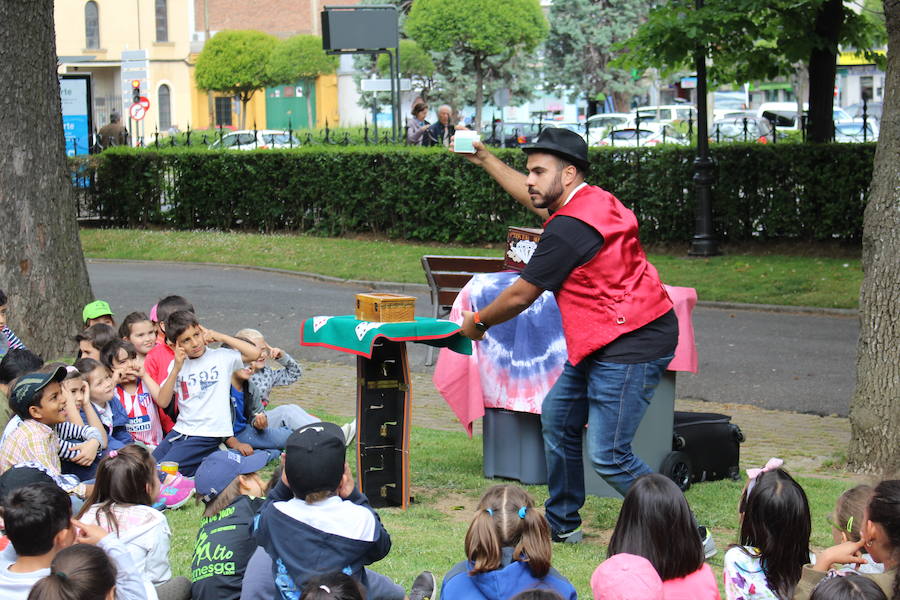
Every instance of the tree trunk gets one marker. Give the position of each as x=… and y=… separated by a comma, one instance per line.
x=42, y=267
x=310, y=120
x=875, y=411
x=245, y=99
x=479, y=90
x=822, y=71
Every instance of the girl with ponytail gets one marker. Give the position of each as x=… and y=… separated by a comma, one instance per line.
x=79, y=572
x=508, y=549
x=880, y=538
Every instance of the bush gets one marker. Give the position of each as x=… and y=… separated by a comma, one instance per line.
x=786, y=191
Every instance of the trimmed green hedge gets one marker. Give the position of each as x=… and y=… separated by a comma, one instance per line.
x=782, y=191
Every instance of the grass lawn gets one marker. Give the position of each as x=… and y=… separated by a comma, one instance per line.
x=447, y=482
x=756, y=278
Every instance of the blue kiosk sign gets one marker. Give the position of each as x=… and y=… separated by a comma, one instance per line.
x=75, y=96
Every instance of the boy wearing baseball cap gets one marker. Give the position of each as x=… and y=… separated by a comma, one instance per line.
x=38, y=401
x=228, y=485
x=97, y=311
x=317, y=522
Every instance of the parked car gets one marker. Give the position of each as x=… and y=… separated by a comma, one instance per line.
x=600, y=125
x=784, y=114
x=741, y=129
x=511, y=134
x=873, y=110
x=570, y=125
x=247, y=139
x=649, y=134
x=667, y=113
x=852, y=131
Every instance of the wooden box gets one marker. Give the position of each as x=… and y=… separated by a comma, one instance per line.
x=385, y=308
x=520, y=245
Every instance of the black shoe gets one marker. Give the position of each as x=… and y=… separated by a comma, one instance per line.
x=568, y=537
x=423, y=586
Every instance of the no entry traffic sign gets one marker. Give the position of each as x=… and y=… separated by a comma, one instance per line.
x=137, y=111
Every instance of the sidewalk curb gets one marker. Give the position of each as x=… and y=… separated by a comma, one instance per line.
x=395, y=287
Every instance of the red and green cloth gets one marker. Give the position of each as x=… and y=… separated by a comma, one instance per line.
x=346, y=333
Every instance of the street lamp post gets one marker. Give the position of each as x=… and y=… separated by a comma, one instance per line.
x=704, y=242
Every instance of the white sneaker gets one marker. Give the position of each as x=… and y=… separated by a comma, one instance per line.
x=349, y=430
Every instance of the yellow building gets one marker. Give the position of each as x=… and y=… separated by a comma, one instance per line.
x=155, y=42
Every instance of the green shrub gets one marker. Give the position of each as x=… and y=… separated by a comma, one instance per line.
x=781, y=191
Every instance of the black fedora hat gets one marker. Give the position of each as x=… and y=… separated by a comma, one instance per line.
x=561, y=142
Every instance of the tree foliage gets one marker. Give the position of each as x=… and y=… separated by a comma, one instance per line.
x=582, y=42
x=235, y=62
x=415, y=63
x=749, y=40
x=486, y=35
x=299, y=57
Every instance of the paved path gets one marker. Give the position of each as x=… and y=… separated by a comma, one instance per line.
x=781, y=361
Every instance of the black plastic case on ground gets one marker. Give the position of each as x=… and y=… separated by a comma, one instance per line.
x=705, y=447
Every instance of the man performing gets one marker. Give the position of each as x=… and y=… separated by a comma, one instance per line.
x=619, y=324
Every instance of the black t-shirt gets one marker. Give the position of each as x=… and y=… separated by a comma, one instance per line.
x=568, y=243
x=224, y=546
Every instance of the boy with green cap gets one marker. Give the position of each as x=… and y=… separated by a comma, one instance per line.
x=98, y=311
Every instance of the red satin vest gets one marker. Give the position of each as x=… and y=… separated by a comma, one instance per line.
x=615, y=292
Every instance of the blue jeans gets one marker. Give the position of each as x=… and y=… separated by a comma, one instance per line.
x=283, y=420
x=187, y=450
x=611, y=399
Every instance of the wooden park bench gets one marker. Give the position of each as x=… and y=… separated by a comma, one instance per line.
x=447, y=275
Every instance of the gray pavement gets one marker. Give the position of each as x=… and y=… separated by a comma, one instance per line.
x=776, y=360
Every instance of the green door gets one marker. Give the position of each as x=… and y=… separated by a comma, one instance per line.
x=287, y=105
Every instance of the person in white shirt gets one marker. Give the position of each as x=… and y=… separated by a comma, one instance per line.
x=201, y=379
x=38, y=520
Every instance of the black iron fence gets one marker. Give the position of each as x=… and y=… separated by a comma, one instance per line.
x=640, y=132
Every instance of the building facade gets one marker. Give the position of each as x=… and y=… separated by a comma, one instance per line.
x=156, y=42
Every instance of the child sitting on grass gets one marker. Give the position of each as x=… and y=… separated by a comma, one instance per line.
x=91, y=340
x=774, y=537
x=880, y=538
x=201, y=379
x=15, y=364
x=38, y=400
x=847, y=523
x=38, y=520
x=316, y=522
x=8, y=339
x=120, y=503
x=508, y=550
x=847, y=586
x=79, y=572
x=262, y=380
x=232, y=492
x=656, y=522
x=97, y=311
x=158, y=362
x=78, y=459
x=137, y=328
x=334, y=586
x=104, y=402
x=135, y=392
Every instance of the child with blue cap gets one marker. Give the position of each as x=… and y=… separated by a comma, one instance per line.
x=232, y=491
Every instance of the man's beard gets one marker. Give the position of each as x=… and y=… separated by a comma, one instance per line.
x=552, y=195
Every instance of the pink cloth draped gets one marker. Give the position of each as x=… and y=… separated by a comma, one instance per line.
x=485, y=379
